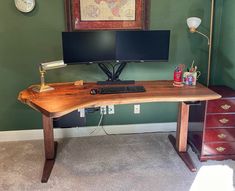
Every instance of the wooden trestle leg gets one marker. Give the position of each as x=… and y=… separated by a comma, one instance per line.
x=180, y=142
x=50, y=148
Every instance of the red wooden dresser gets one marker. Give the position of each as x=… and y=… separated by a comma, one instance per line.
x=212, y=126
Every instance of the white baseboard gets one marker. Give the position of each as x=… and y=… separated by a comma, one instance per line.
x=24, y=135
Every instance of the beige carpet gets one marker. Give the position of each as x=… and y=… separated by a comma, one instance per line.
x=138, y=162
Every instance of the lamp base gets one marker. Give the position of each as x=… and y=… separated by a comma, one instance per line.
x=42, y=88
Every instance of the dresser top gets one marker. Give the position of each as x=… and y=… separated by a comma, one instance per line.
x=224, y=91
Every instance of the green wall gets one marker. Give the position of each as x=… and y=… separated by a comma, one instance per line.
x=224, y=67
x=29, y=39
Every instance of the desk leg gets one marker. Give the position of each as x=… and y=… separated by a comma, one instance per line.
x=180, y=143
x=49, y=146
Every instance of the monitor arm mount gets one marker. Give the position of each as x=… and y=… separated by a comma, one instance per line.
x=113, y=74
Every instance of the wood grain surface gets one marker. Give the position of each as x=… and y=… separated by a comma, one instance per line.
x=67, y=97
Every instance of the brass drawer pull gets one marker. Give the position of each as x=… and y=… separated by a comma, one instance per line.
x=224, y=121
x=220, y=149
x=222, y=136
x=225, y=106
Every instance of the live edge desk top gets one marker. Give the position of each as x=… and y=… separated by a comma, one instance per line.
x=67, y=97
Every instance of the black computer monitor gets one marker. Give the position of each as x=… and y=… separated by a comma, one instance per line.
x=141, y=46
x=89, y=47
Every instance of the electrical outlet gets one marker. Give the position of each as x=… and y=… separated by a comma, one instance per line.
x=82, y=112
x=137, y=109
x=103, y=110
x=111, y=109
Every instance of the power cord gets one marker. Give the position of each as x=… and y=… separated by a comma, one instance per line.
x=101, y=120
x=100, y=124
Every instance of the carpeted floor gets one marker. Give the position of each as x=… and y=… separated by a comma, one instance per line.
x=137, y=162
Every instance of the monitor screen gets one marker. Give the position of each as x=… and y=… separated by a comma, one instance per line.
x=142, y=45
x=86, y=47
x=110, y=46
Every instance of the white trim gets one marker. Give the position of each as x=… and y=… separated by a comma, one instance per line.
x=24, y=135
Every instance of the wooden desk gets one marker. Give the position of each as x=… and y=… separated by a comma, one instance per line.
x=67, y=97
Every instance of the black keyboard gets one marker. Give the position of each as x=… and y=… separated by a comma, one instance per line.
x=121, y=89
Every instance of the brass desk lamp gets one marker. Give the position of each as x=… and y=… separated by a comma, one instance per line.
x=43, y=67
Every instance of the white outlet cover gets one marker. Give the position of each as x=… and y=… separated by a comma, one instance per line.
x=111, y=109
x=103, y=110
x=82, y=112
x=137, y=109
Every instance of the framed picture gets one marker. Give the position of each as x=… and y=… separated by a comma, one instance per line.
x=106, y=14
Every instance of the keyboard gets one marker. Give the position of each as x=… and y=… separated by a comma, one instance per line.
x=121, y=89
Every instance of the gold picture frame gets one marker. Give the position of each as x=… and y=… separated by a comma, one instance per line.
x=124, y=14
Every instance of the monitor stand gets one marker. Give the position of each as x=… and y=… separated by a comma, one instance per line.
x=113, y=74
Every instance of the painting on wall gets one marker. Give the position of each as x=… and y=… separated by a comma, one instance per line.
x=106, y=14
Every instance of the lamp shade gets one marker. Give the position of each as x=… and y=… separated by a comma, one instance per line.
x=193, y=22
x=53, y=65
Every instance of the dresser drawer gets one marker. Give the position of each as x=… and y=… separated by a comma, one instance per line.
x=215, y=138
x=221, y=106
x=216, y=135
x=219, y=148
x=220, y=120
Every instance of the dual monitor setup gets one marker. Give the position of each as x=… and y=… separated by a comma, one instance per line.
x=111, y=50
